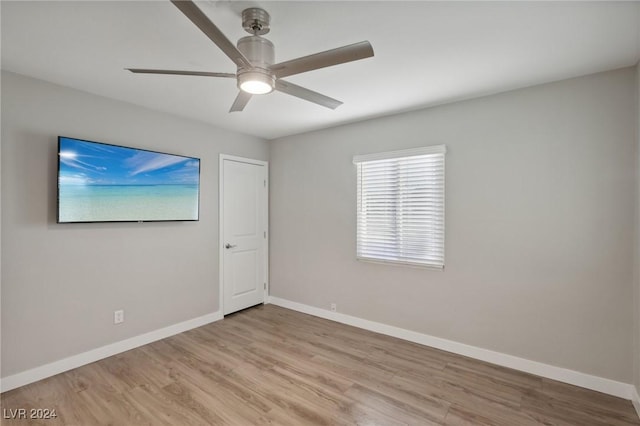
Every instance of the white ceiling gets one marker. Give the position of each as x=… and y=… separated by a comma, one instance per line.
x=426, y=53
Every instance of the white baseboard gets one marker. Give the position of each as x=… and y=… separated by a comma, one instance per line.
x=635, y=398
x=600, y=384
x=75, y=361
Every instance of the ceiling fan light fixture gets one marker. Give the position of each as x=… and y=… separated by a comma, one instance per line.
x=256, y=83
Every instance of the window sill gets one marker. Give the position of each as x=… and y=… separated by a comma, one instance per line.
x=401, y=263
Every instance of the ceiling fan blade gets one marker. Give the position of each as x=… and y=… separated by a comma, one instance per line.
x=175, y=72
x=328, y=58
x=306, y=94
x=196, y=16
x=241, y=101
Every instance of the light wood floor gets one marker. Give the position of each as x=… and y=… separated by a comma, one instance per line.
x=270, y=365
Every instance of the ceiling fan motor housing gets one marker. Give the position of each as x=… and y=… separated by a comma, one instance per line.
x=261, y=53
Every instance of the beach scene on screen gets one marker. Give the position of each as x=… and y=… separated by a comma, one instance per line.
x=103, y=183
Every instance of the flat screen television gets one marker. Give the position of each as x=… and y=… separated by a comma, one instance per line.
x=99, y=182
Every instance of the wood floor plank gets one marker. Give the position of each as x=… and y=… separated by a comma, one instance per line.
x=431, y=414
x=218, y=391
x=273, y=366
x=460, y=414
x=567, y=410
x=582, y=396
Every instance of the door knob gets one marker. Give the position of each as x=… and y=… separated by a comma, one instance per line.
x=228, y=246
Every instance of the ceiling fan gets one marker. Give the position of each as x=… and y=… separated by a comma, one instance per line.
x=254, y=56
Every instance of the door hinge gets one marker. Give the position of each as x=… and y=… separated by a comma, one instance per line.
x=265, y=183
x=265, y=234
x=265, y=286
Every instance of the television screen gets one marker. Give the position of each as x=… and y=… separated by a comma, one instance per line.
x=99, y=182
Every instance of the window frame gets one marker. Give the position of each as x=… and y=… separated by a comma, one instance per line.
x=401, y=154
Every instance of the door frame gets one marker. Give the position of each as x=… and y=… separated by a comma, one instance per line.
x=223, y=158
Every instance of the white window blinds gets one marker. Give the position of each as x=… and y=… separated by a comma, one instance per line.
x=401, y=206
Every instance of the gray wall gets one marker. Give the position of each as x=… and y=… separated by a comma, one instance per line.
x=636, y=349
x=540, y=204
x=61, y=283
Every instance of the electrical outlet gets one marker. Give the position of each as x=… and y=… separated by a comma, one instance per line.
x=118, y=316
x=333, y=307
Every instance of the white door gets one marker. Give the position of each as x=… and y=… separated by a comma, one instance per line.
x=243, y=232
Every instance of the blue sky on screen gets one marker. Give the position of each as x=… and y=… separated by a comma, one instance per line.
x=89, y=163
